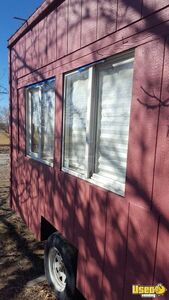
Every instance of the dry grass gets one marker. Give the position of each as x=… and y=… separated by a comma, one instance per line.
x=38, y=292
x=4, y=138
x=21, y=256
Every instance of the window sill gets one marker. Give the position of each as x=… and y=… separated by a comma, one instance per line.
x=45, y=162
x=112, y=186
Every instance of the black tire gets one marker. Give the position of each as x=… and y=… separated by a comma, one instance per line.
x=63, y=278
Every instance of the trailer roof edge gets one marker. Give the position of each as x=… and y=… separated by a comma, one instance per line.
x=35, y=17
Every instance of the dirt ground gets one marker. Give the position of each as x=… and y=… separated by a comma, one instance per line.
x=21, y=256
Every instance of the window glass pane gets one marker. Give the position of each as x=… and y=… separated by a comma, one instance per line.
x=47, y=121
x=40, y=120
x=34, y=120
x=77, y=92
x=115, y=88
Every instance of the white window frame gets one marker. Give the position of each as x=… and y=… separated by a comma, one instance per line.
x=91, y=126
x=29, y=153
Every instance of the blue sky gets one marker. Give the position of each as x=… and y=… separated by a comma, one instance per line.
x=8, y=25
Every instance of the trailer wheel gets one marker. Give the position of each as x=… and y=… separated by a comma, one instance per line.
x=59, y=267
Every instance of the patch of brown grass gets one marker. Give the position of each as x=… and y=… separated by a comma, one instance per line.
x=40, y=291
x=4, y=138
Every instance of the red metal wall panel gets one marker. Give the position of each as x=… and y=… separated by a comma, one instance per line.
x=68, y=206
x=14, y=117
x=89, y=22
x=14, y=128
x=26, y=202
x=42, y=41
x=162, y=261
x=21, y=123
x=48, y=177
x=58, y=196
x=96, y=243
x=20, y=163
x=34, y=204
x=144, y=122
x=27, y=174
x=161, y=178
x=22, y=205
x=150, y=6
x=107, y=17
x=35, y=48
x=62, y=29
x=115, y=248
x=81, y=230
x=51, y=36
x=128, y=12
x=141, y=247
x=161, y=181
x=28, y=58
x=21, y=56
x=42, y=190
x=51, y=193
x=74, y=25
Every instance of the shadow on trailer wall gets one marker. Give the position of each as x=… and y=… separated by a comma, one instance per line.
x=121, y=241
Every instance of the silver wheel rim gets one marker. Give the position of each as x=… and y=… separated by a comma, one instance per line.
x=57, y=269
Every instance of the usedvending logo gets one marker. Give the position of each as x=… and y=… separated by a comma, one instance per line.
x=149, y=291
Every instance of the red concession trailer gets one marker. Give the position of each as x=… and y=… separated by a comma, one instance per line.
x=89, y=104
